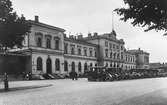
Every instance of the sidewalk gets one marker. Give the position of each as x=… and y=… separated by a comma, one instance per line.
x=22, y=85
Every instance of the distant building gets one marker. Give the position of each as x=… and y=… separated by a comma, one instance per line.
x=158, y=65
x=142, y=59
x=49, y=50
x=129, y=60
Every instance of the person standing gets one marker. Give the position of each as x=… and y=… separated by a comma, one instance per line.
x=75, y=75
x=6, y=84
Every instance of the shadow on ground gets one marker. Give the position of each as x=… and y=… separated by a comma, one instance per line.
x=25, y=87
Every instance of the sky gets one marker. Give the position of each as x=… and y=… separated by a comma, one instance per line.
x=84, y=16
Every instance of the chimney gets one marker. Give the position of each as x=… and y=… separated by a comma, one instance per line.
x=71, y=36
x=89, y=35
x=75, y=37
x=65, y=35
x=80, y=36
x=95, y=34
x=139, y=49
x=36, y=19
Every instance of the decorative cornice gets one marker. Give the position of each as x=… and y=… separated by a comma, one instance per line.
x=79, y=57
x=80, y=42
x=46, y=26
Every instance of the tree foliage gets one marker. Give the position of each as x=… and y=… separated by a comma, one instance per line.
x=12, y=27
x=151, y=14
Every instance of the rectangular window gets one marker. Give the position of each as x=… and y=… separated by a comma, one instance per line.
x=39, y=42
x=113, y=46
x=95, y=53
x=106, y=44
x=122, y=48
x=117, y=47
x=91, y=52
x=66, y=48
x=72, y=49
x=110, y=45
x=57, y=44
x=85, y=51
x=106, y=52
x=79, y=51
x=48, y=43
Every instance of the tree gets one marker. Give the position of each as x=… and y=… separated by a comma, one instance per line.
x=151, y=14
x=12, y=27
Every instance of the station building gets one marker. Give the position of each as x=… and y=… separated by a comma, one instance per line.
x=49, y=50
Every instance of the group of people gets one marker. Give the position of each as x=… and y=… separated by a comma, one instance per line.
x=73, y=75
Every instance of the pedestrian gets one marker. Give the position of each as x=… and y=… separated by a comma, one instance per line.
x=75, y=75
x=6, y=85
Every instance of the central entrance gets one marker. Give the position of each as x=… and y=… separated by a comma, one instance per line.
x=49, y=66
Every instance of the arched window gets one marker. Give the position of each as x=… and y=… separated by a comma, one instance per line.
x=91, y=64
x=114, y=65
x=73, y=66
x=49, y=66
x=117, y=65
x=39, y=63
x=65, y=66
x=79, y=67
x=85, y=67
x=57, y=64
x=111, y=65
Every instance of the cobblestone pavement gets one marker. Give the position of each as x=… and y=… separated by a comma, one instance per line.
x=82, y=92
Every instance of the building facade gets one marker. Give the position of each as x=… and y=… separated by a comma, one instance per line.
x=142, y=59
x=49, y=50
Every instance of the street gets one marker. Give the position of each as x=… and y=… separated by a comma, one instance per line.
x=81, y=92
